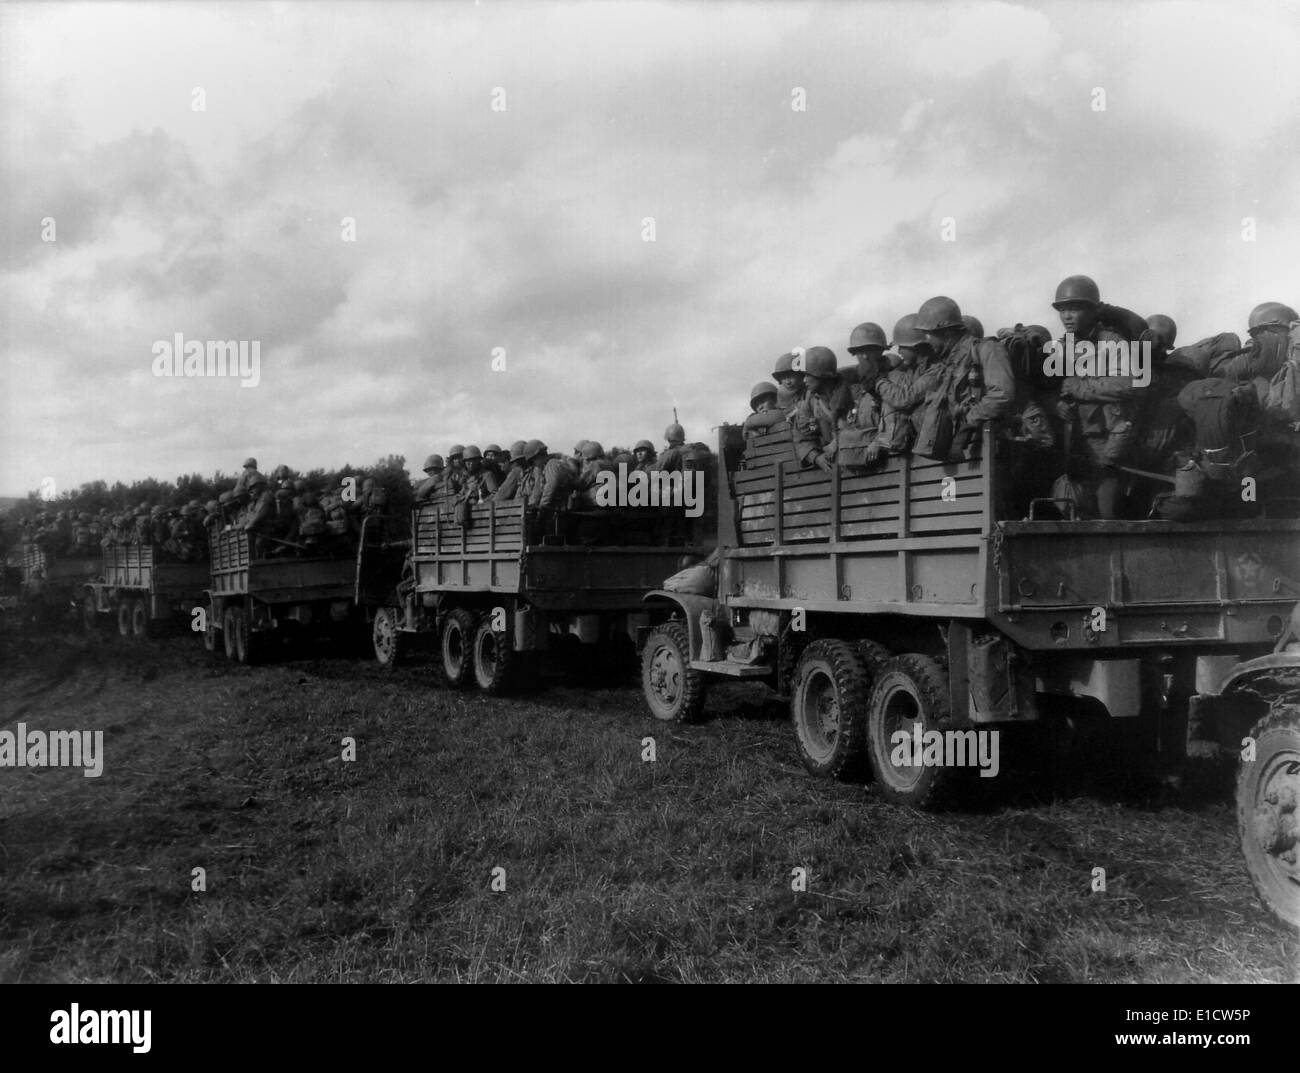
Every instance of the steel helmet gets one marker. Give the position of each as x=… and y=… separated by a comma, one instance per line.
x=1164, y=328
x=432, y=462
x=1077, y=289
x=819, y=361
x=906, y=333
x=533, y=448
x=973, y=326
x=674, y=433
x=867, y=334
x=457, y=449
x=256, y=480
x=250, y=463
x=591, y=450
x=937, y=314
x=517, y=453
x=472, y=451
x=577, y=448
x=225, y=498
x=492, y=449
x=785, y=366
x=644, y=445
x=758, y=391
x=1271, y=313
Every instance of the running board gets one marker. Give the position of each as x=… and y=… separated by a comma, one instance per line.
x=731, y=670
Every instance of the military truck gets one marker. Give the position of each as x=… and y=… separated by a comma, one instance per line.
x=499, y=589
x=255, y=597
x=143, y=590
x=928, y=596
x=51, y=584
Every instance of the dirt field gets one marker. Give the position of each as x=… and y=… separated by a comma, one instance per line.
x=382, y=868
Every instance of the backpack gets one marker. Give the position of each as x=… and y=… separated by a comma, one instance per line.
x=313, y=522
x=1283, y=400
x=1227, y=417
x=1204, y=355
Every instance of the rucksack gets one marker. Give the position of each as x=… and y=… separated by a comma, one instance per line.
x=1283, y=401
x=1204, y=355
x=1227, y=417
x=313, y=522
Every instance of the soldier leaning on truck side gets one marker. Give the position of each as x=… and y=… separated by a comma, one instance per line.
x=867, y=345
x=763, y=410
x=646, y=456
x=453, y=478
x=789, y=383
x=819, y=413
x=902, y=389
x=432, y=483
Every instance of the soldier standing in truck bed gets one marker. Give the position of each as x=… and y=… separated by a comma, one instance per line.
x=670, y=461
x=1100, y=412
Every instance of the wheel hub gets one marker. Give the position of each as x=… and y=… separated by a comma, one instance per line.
x=1277, y=822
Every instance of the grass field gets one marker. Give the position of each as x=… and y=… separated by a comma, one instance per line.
x=615, y=869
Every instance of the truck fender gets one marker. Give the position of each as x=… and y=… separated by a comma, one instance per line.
x=690, y=606
x=1277, y=673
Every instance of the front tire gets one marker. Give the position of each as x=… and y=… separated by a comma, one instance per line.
x=910, y=689
x=673, y=690
x=494, y=657
x=457, y=646
x=234, y=628
x=139, y=618
x=387, y=638
x=1268, y=813
x=828, y=706
x=210, y=630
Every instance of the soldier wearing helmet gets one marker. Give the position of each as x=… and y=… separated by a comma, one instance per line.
x=672, y=458
x=1100, y=412
x=974, y=375
x=241, y=482
x=788, y=374
x=763, y=410
x=1269, y=329
x=973, y=325
x=867, y=344
x=826, y=401
x=496, y=460
x=432, y=483
x=548, y=480
x=480, y=483
x=902, y=390
x=645, y=454
x=509, y=487
x=453, y=479
x=260, y=513
x=594, y=463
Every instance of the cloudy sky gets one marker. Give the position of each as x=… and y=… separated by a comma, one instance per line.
x=522, y=227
